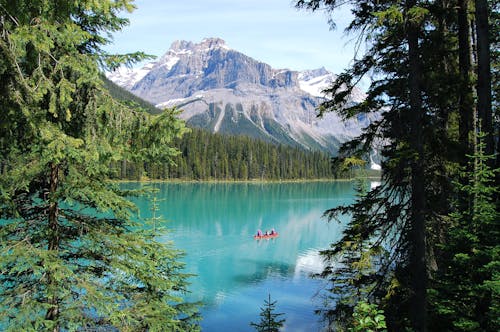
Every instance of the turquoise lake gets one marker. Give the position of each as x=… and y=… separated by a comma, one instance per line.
x=214, y=224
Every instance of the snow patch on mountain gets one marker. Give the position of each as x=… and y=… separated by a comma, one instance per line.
x=126, y=77
x=315, y=85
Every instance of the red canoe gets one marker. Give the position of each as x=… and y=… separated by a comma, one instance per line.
x=270, y=236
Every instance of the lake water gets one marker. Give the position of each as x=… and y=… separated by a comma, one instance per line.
x=215, y=223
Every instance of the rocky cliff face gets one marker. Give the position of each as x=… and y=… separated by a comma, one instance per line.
x=226, y=91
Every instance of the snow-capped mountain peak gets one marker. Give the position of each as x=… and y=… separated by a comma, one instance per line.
x=223, y=90
x=127, y=77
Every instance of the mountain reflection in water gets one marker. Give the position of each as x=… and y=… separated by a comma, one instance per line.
x=214, y=224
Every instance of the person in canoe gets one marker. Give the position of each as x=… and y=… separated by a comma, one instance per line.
x=267, y=235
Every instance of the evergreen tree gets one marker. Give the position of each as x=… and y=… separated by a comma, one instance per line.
x=71, y=257
x=356, y=269
x=417, y=56
x=466, y=290
x=399, y=206
x=269, y=319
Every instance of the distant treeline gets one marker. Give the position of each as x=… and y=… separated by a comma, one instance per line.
x=209, y=156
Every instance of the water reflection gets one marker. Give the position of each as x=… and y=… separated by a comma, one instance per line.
x=215, y=223
x=308, y=263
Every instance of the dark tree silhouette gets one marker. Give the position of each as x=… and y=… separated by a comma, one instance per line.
x=269, y=320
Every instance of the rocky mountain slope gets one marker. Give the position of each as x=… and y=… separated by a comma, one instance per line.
x=225, y=91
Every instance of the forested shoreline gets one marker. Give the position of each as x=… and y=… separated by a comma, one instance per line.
x=208, y=156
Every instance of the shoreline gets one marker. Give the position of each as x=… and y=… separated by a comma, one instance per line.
x=255, y=181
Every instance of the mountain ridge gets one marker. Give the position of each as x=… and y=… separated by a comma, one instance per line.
x=223, y=90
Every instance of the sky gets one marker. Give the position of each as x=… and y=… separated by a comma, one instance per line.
x=271, y=31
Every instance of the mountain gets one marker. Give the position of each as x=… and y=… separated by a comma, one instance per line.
x=126, y=96
x=223, y=90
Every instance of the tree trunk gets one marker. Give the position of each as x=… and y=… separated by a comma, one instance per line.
x=484, y=73
x=417, y=254
x=53, y=239
x=123, y=172
x=466, y=101
x=467, y=113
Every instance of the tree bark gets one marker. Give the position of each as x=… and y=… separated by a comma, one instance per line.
x=466, y=100
x=484, y=73
x=417, y=254
x=467, y=112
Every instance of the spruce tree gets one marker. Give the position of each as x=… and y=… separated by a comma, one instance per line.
x=465, y=291
x=71, y=256
x=417, y=58
x=269, y=319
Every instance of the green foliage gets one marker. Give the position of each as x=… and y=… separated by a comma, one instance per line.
x=354, y=269
x=423, y=91
x=466, y=289
x=71, y=257
x=208, y=156
x=349, y=166
x=127, y=97
x=269, y=320
x=368, y=318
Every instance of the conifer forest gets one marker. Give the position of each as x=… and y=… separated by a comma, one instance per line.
x=420, y=251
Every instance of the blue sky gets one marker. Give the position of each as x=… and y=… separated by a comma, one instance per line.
x=272, y=31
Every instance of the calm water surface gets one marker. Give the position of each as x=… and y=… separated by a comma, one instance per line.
x=214, y=224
